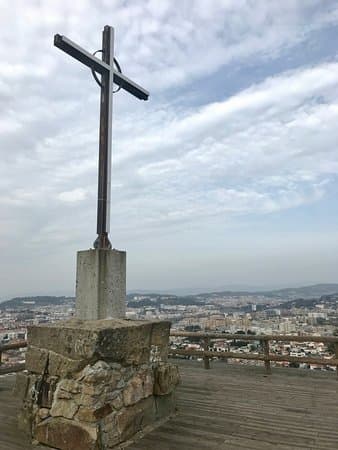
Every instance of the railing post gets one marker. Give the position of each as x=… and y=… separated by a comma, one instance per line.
x=265, y=345
x=336, y=355
x=0, y=357
x=206, y=359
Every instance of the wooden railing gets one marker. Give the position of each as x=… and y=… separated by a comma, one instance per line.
x=11, y=368
x=206, y=354
x=264, y=340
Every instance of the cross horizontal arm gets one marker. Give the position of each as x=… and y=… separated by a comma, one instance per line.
x=130, y=86
x=80, y=54
x=99, y=66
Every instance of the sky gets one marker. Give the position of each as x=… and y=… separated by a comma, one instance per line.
x=226, y=178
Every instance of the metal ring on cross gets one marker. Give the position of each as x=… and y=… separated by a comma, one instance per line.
x=96, y=77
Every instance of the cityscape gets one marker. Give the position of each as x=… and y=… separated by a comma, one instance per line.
x=283, y=312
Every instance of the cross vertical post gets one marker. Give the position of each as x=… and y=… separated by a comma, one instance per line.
x=109, y=77
x=105, y=142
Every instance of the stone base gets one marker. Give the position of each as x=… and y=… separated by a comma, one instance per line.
x=92, y=385
x=100, y=284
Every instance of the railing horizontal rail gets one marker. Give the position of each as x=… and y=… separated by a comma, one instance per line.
x=13, y=346
x=7, y=368
x=252, y=356
x=206, y=355
x=264, y=340
x=254, y=337
x=10, y=369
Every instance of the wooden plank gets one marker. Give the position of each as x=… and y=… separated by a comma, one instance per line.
x=253, y=337
x=256, y=414
x=11, y=438
x=267, y=360
x=228, y=407
x=13, y=346
x=5, y=369
x=255, y=357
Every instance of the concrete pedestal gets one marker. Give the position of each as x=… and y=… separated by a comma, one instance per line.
x=100, y=284
x=94, y=385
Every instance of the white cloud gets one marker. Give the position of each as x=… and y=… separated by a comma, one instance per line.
x=268, y=148
x=183, y=157
x=76, y=195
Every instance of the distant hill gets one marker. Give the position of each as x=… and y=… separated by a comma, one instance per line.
x=316, y=290
x=29, y=302
x=331, y=299
x=155, y=299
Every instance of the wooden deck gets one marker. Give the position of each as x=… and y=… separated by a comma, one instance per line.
x=226, y=408
x=10, y=437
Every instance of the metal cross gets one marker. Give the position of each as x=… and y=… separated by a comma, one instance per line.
x=109, y=75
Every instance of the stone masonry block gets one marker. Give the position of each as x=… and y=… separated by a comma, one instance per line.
x=166, y=379
x=21, y=385
x=139, y=387
x=120, y=340
x=165, y=405
x=132, y=419
x=47, y=387
x=64, y=408
x=62, y=366
x=66, y=434
x=96, y=384
x=25, y=419
x=159, y=340
x=160, y=333
x=36, y=359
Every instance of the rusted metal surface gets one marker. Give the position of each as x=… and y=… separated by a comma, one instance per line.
x=109, y=75
x=100, y=66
